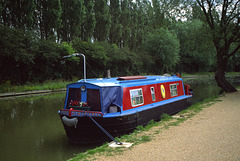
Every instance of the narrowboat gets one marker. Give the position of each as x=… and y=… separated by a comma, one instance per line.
x=119, y=105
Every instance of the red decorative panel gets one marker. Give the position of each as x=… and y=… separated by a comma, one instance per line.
x=147, y=93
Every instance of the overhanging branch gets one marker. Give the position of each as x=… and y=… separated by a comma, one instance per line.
x=208, y=19
x=233, y=52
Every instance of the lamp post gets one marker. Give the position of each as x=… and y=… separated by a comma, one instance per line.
x=84, y=62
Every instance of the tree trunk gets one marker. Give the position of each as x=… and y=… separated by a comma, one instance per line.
x=221, y=79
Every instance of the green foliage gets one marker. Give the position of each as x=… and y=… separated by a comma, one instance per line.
x=234, y=61
x=125, y=21
x=5, y=86
x=90, y=21
x=47, y=60
x=68, y=47
x=103, y=20
x=139, y=128
x=17, y=13
x=163, y=46
x=30, y=59
x=73, y=16
x=48, y=18
x=95, y=55
x=197, y=13
x=165, y=117
x=121, y=61
x=116, y=26
x=197, y=52
x=16, y=55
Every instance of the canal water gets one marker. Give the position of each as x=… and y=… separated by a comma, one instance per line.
x=30, y=128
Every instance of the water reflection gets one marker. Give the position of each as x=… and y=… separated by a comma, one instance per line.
x=30, y=129
x=207, y=87
x=203, y=89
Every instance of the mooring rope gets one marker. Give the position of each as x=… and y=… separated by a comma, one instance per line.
x=109, y=135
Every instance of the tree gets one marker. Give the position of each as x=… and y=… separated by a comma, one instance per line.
x=133, y=26
x=144, y=18
x=158, y=17
x=95, y=55
x=1, y=8
x=16, y=55
x=121, y=61
x=48, y=18
x=163, y=46
x=197, y=49
x=197, y=13
x=223, y=18
x=166, y=11
x=103, y=20
x=90, y=21
x=73, y=16
x=17, y=13
x=125, y=22
x=116, y=27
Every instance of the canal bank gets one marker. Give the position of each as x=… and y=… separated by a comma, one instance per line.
x=47, y=91
x=34, y=92
x=212, y=134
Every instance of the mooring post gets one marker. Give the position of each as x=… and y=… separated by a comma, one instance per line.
x=108, y=74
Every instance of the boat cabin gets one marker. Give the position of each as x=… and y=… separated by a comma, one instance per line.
x=108, y=97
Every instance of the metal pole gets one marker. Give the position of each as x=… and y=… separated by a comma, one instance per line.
x=84, y=66
x=84, y=63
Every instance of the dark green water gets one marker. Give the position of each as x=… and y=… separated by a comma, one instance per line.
x=207, y=87
x=31, y=130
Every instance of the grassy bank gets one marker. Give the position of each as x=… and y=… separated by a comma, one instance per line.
x=145, y=134
x=58, y=84
x=51, y=84
x=209, y=74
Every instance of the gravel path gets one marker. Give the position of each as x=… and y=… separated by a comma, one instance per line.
x=212, y=134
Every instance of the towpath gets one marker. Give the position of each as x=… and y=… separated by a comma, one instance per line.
x=211, y=135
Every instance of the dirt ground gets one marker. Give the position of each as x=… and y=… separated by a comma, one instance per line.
x=211, y=135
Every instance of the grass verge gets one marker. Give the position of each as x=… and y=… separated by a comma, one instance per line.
x=50, y=84
x=209, y=74
x=147, y=133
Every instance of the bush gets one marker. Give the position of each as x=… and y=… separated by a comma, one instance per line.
x=24, y=58
x=16, y=56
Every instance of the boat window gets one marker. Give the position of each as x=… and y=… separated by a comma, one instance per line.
x=173, y=89
x=136, y=97
x=153, y=94
x=93, y=99
x=74, y=95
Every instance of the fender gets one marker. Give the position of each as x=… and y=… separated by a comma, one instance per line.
x=70, y=122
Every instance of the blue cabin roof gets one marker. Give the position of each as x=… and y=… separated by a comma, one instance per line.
x=112, y=82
